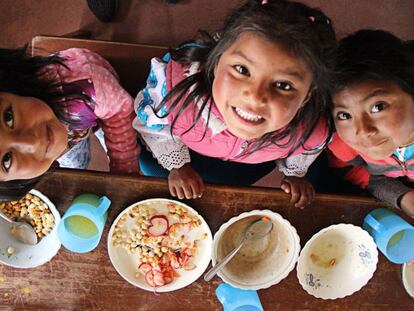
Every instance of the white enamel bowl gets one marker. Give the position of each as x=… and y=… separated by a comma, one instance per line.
x=127, y=264
x=337, y=261
x=29, y=256
x=260, y=263
x=408, y=278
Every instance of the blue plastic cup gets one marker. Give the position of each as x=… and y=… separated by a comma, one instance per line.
x=236, y=299
x=81, y=227
x=392, y=234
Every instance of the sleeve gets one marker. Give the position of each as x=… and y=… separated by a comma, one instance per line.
x=350, y=165
x=387, y=189
x=114, y=109
x=152, y=127
x=297, y=165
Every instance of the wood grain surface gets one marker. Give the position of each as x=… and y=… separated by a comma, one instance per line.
x=89, y=282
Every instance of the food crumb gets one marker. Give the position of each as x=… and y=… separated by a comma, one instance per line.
x=10, y=250
x=26, y=290
x=6, y=295
x=2, y=279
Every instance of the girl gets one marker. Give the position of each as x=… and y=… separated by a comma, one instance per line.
x=254, y=93
x=49, y=106
x=373, y=111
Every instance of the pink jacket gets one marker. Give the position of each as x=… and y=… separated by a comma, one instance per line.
x=113, y=109
x=224, y=145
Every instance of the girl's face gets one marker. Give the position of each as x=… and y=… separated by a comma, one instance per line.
x=259, y=86
x=31, y=137
x=374, y=117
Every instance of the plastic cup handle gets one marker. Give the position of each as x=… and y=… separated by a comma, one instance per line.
x=103, y=206
x=371, y=221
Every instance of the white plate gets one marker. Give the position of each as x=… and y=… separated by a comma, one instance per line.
x=127, y=264
x=408, y=278
x=263, y=263
x=337, y=261
x=29, y=256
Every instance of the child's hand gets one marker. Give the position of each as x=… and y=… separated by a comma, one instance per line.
x=407, y=203
x=184, y=182
x=301, y=191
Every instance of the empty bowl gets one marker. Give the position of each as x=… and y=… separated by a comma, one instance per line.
x=337, y=261
x=16, y=254
x=408, y=278
x=259, y=263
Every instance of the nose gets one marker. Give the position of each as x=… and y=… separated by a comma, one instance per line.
x=26, y=141
x=256, y=92
x=365, y=126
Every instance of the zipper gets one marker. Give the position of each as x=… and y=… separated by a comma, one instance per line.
x=403, y=166
x=243, y=147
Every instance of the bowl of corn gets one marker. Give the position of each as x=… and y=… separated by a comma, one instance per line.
x=37, y=210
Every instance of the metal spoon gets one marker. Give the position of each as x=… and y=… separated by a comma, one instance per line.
x=258, y=229
x=22, y=231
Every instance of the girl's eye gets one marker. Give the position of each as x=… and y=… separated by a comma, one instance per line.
x=378, y=107
x=7, y=161
x=343, y=116
x=242, y=70
x=283, y=86
x=8, y=117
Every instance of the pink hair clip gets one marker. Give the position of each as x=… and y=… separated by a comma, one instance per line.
x=264, y=2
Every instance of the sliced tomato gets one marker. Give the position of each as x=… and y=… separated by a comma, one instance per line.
x=144, y=267
x=183, y=259
x=159, y=278
x=175, y=261
x=149, y=277
x=168, y=275
x=189, y=266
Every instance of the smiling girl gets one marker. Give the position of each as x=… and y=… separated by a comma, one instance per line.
x=373, y=111
x=49, y=106
x=227, y=107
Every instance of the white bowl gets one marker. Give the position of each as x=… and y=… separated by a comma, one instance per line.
x=337, y=261
x=127, y=264
x=29, y=256
x=260, y=263
x=408, y=278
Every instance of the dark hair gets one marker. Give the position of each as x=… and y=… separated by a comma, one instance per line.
x=22, y=74
x=374, y=55
x=304, y=31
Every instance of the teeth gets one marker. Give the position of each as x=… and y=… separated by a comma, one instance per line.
x=248, y=116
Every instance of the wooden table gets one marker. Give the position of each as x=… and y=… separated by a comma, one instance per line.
x=89, y=282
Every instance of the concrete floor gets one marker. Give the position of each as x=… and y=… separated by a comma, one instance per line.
x=159, y=23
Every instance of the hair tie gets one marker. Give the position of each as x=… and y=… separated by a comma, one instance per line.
x=264, y=2
x=313, y=19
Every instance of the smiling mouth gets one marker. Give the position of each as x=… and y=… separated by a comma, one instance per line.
x=376, y=144
x=250, y=117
